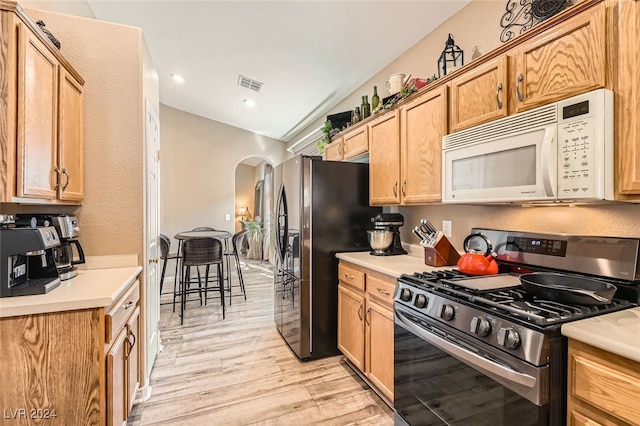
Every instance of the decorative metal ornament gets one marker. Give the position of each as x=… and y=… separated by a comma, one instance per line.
x=452, y=56
x=521, y=15
x=50, y=36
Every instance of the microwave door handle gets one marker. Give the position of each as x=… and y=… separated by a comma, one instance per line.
x=548, y=160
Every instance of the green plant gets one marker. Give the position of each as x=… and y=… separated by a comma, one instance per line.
x=326, y=129
x=255, y=230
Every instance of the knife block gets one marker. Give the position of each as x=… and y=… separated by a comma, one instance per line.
x=443, y=253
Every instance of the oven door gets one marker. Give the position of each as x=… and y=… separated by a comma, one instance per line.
x=442, y=377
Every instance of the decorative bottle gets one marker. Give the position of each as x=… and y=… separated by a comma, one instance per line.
x=356, y=115
x=366, y=108
x=375, y=99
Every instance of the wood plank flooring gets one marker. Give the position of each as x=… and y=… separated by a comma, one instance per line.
x=239, y=371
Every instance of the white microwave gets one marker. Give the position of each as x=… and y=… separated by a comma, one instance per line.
x=559, y=152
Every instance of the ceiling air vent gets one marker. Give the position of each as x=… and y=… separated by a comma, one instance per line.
x=249, y=83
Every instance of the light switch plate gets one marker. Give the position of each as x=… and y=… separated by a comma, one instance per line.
x=227, y=217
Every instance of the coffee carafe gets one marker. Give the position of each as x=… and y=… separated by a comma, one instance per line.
x=390, y=222
x=69, y=253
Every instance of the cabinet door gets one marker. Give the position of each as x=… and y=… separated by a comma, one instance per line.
x=479, y=95
x=564, y=61
x=423, y=123
x=384, y=160
x=70, y=138
x=133, y=358
x=333, y=151
x=627, y=88
x=355, y=143
x=379, y=347
x=351, y=325
x=37, y=118
x=117, y=381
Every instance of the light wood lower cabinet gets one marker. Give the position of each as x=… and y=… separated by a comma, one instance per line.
x=603, y=388
x=365, y=323
x=68, y=368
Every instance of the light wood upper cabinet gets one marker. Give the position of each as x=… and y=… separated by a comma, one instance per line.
x=37, y=127
x=41, y=147
x=566, y=60
x=333, y=150
x=624, y=31
x=71, y=138
x=384, y=159
x=423, y=123
x=355, y=142
x=480, y=95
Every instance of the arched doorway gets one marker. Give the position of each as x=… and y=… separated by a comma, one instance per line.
x=254, y=204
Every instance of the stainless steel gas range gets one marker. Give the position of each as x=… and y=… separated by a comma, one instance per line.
x=481, y=350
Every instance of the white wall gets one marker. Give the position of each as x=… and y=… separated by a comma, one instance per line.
x=198, y=160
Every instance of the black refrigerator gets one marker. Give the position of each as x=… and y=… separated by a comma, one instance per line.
x=321, y=208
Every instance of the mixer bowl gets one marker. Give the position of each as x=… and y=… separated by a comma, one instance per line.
x=380, y=240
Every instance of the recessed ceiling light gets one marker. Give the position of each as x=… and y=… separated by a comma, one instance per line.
x=250, y=103
x=178, y=78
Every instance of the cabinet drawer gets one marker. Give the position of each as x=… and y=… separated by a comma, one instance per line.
x=381, y=289
x=611, y=388
x=351, y=276
x=119, y=312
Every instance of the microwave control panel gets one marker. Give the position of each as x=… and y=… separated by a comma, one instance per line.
x=582, y=155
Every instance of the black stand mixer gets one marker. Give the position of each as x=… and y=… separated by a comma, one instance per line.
x=390, y=222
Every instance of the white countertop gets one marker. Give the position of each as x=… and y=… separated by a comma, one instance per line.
x=617, y=332
x=389, y=265
x=92, y=288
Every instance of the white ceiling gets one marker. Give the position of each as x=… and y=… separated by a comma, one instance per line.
x=309, y=54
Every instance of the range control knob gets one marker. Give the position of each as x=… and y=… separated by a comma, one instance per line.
x=480, y=326
x=405, y=295
x=446, y=312
x=509, y=338
x=421, y=301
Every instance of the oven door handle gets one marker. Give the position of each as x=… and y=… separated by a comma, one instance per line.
x=467, y=356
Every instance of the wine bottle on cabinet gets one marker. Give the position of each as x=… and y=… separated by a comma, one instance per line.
x=356, y=115
x=375, y=99
x=366, y=108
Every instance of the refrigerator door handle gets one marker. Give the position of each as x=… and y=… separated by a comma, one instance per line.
x=282, y=232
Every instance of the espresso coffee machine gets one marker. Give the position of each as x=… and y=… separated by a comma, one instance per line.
x=27, y=263
x=390, y=222
x=68, y=231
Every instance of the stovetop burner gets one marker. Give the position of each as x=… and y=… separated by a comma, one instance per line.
x=512, y=301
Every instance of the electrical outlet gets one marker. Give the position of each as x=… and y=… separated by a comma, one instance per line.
x=227, y=217
x=446, y=228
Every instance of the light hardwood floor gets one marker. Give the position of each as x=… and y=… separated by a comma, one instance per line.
x=239, y=371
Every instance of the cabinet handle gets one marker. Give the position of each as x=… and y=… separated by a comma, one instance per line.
x=395, y=189
x=153, y=260
x=498, y=101
x=66, y=183
x=360, y=312
x=404, y=188
x=350, y=277
x=520, y=97
x=368, y=314
x=383, y=291
x=128, y=305
x=131, y=344
x=57, y=185
x=340, y=150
